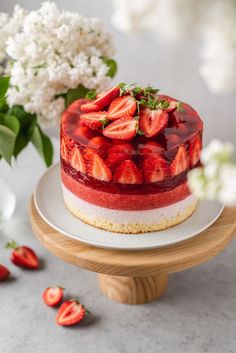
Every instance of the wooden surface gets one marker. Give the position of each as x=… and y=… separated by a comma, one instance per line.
x=138, y=263
x=133, y=290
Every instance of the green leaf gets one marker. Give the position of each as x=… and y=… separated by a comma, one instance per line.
x=74, y=94
x=43, y=145
x=24, y=118
x=92, y=94
x=21, y=142
x=27, y=123
x=12, y=122
x=7, y=143
x=4, y=83
x=3, y=105
x=112, y=66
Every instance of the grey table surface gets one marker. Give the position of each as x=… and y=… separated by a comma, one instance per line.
x=198, y=313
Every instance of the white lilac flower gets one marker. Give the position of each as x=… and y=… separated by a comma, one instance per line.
x=217, y=152
x=53, y=52
x=9, y=26
x=178, y=19
x=135, y=16
x=216, y=180
x=227, y=193
x=218, y=67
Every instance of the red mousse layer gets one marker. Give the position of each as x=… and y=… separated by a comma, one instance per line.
x=128, y=202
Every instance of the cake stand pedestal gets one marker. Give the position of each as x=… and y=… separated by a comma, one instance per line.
x=137, y=277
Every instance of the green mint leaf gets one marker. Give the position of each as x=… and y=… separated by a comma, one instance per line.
x=112, y=66
x=104, y=122
x=163, y=104
x=92, y=94
x=150, y=90
x=122, y=87
x=7, y=143
x=140, y=132
x=4, y=84
x=43, y=145
x=137, y=90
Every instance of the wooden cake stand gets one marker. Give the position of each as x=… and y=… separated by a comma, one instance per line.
x=136, y=277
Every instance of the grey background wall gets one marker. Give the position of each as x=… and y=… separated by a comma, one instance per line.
x=146, y=58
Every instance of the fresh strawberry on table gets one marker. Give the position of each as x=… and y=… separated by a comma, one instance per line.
x=123, y=129
x=4, y=273
x=102, y=100
x=153, y=121
x=53, y=295
x=23, y=256
x=70, y=313
x=122, y=107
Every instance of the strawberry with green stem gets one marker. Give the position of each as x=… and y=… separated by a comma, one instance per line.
x=23, y=256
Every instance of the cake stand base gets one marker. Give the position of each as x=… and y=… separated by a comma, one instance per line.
x=133, y=290
x=137, y=277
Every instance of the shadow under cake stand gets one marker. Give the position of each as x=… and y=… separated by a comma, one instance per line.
x=136, y=277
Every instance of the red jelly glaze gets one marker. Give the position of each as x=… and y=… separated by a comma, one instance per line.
x=125, y=202
x=183, y=127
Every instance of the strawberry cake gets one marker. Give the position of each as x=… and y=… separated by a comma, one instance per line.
x=125, y=156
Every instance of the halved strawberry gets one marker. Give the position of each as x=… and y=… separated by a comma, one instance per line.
x=98, y=145
x=23, y=256
x=172, y=106
x=151, y=147
x=155, y=169
x=102, y=100
x=180, y=163
x=4, y=273
x=122, y=129
x=97, y=168
x=152, y=122
x=122, y=148
x=70, y=313
x=53, y=295
x=82, y=134
x=195, y=150
x=77, y=161
x=128, y=173
x=64, y=154
x=93, y=120
x=99, y=142
x=122, y=107
x=119, y=153
x=114, y=159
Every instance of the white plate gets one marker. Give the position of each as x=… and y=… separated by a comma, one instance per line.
x=50, y=205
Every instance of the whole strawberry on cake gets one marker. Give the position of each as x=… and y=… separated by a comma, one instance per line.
x=125, y=156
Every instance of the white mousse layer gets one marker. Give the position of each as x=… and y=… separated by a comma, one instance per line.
x=154, y=216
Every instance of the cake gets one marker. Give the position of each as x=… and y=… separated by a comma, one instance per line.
x=125, y=156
